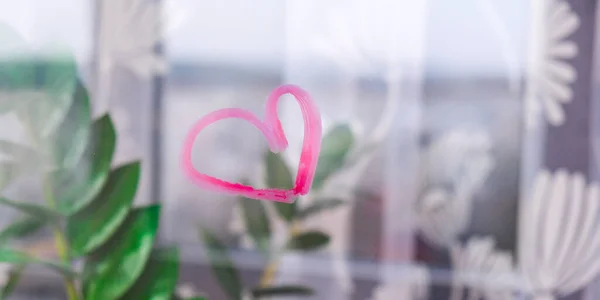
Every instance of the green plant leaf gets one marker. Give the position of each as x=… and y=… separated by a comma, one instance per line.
x=32, y=209
x=20, y=153
x=280, y=177
x=94, y=225
x=286, y=211
x=9, y=171
x=222, y=266
x=67, y=144
x=21, y=228
x=159, y=279
x=50, y=89
x=14, y=277
x=284, y=290
x=13, y=49
x=257, y=222
x=75, y=189
x=318, y=206
x=116, y=266
x=17, y=160
x=336, y=144
x=278, y=173
x=310, y=240
x=20, y=258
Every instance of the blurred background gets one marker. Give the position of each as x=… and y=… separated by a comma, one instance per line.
x=472, y=123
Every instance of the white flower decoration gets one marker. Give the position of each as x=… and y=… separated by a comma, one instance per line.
x=550, y=75
x=413, y=288
x=455, y=166
x=559, y=244
x=488, y=272
x=129, y=31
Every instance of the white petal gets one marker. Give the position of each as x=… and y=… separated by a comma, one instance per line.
x=551, y=223
x=563, y=26
x=528, y=227
x=553, y=111
x=572, y=221
x=585, y=251
x=480, y=252
x=557, y=10
x=555, y=89
x=560, y=70
x=565, y=49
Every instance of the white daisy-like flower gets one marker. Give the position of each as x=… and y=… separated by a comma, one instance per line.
x=488, y=272
x=442, y=218
x=413, y=287
x=550, y=75
x=455, y=166
x=129, y=32
x=558, y=234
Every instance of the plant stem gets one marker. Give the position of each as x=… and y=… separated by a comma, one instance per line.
x=273, y=266
x=60, y=242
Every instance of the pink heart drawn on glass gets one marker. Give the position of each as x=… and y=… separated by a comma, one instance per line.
x=273, y=132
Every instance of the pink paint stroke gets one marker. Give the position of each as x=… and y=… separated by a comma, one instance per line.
x=272, y=130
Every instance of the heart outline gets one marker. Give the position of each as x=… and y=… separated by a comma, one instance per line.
x=272, y=130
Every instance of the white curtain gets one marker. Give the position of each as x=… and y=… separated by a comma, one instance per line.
x=331, y=46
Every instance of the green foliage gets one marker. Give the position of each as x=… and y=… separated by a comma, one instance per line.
x=159, y=279
x=222, y=266
x=112, y=270
x=17, y=257
x=279, y=177
x=9, y=171
x=311, y=240
x=13, y=280
x=334, y=149
x=88, y=205
x=25, y=157
x=34, y=210
x=257, y=222
x=21, y=228
x=76, y=187
x=94, y=225
x=284, y=290
x=68, y=143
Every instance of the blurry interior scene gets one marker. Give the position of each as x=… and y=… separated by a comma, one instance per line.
x=459, y=159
